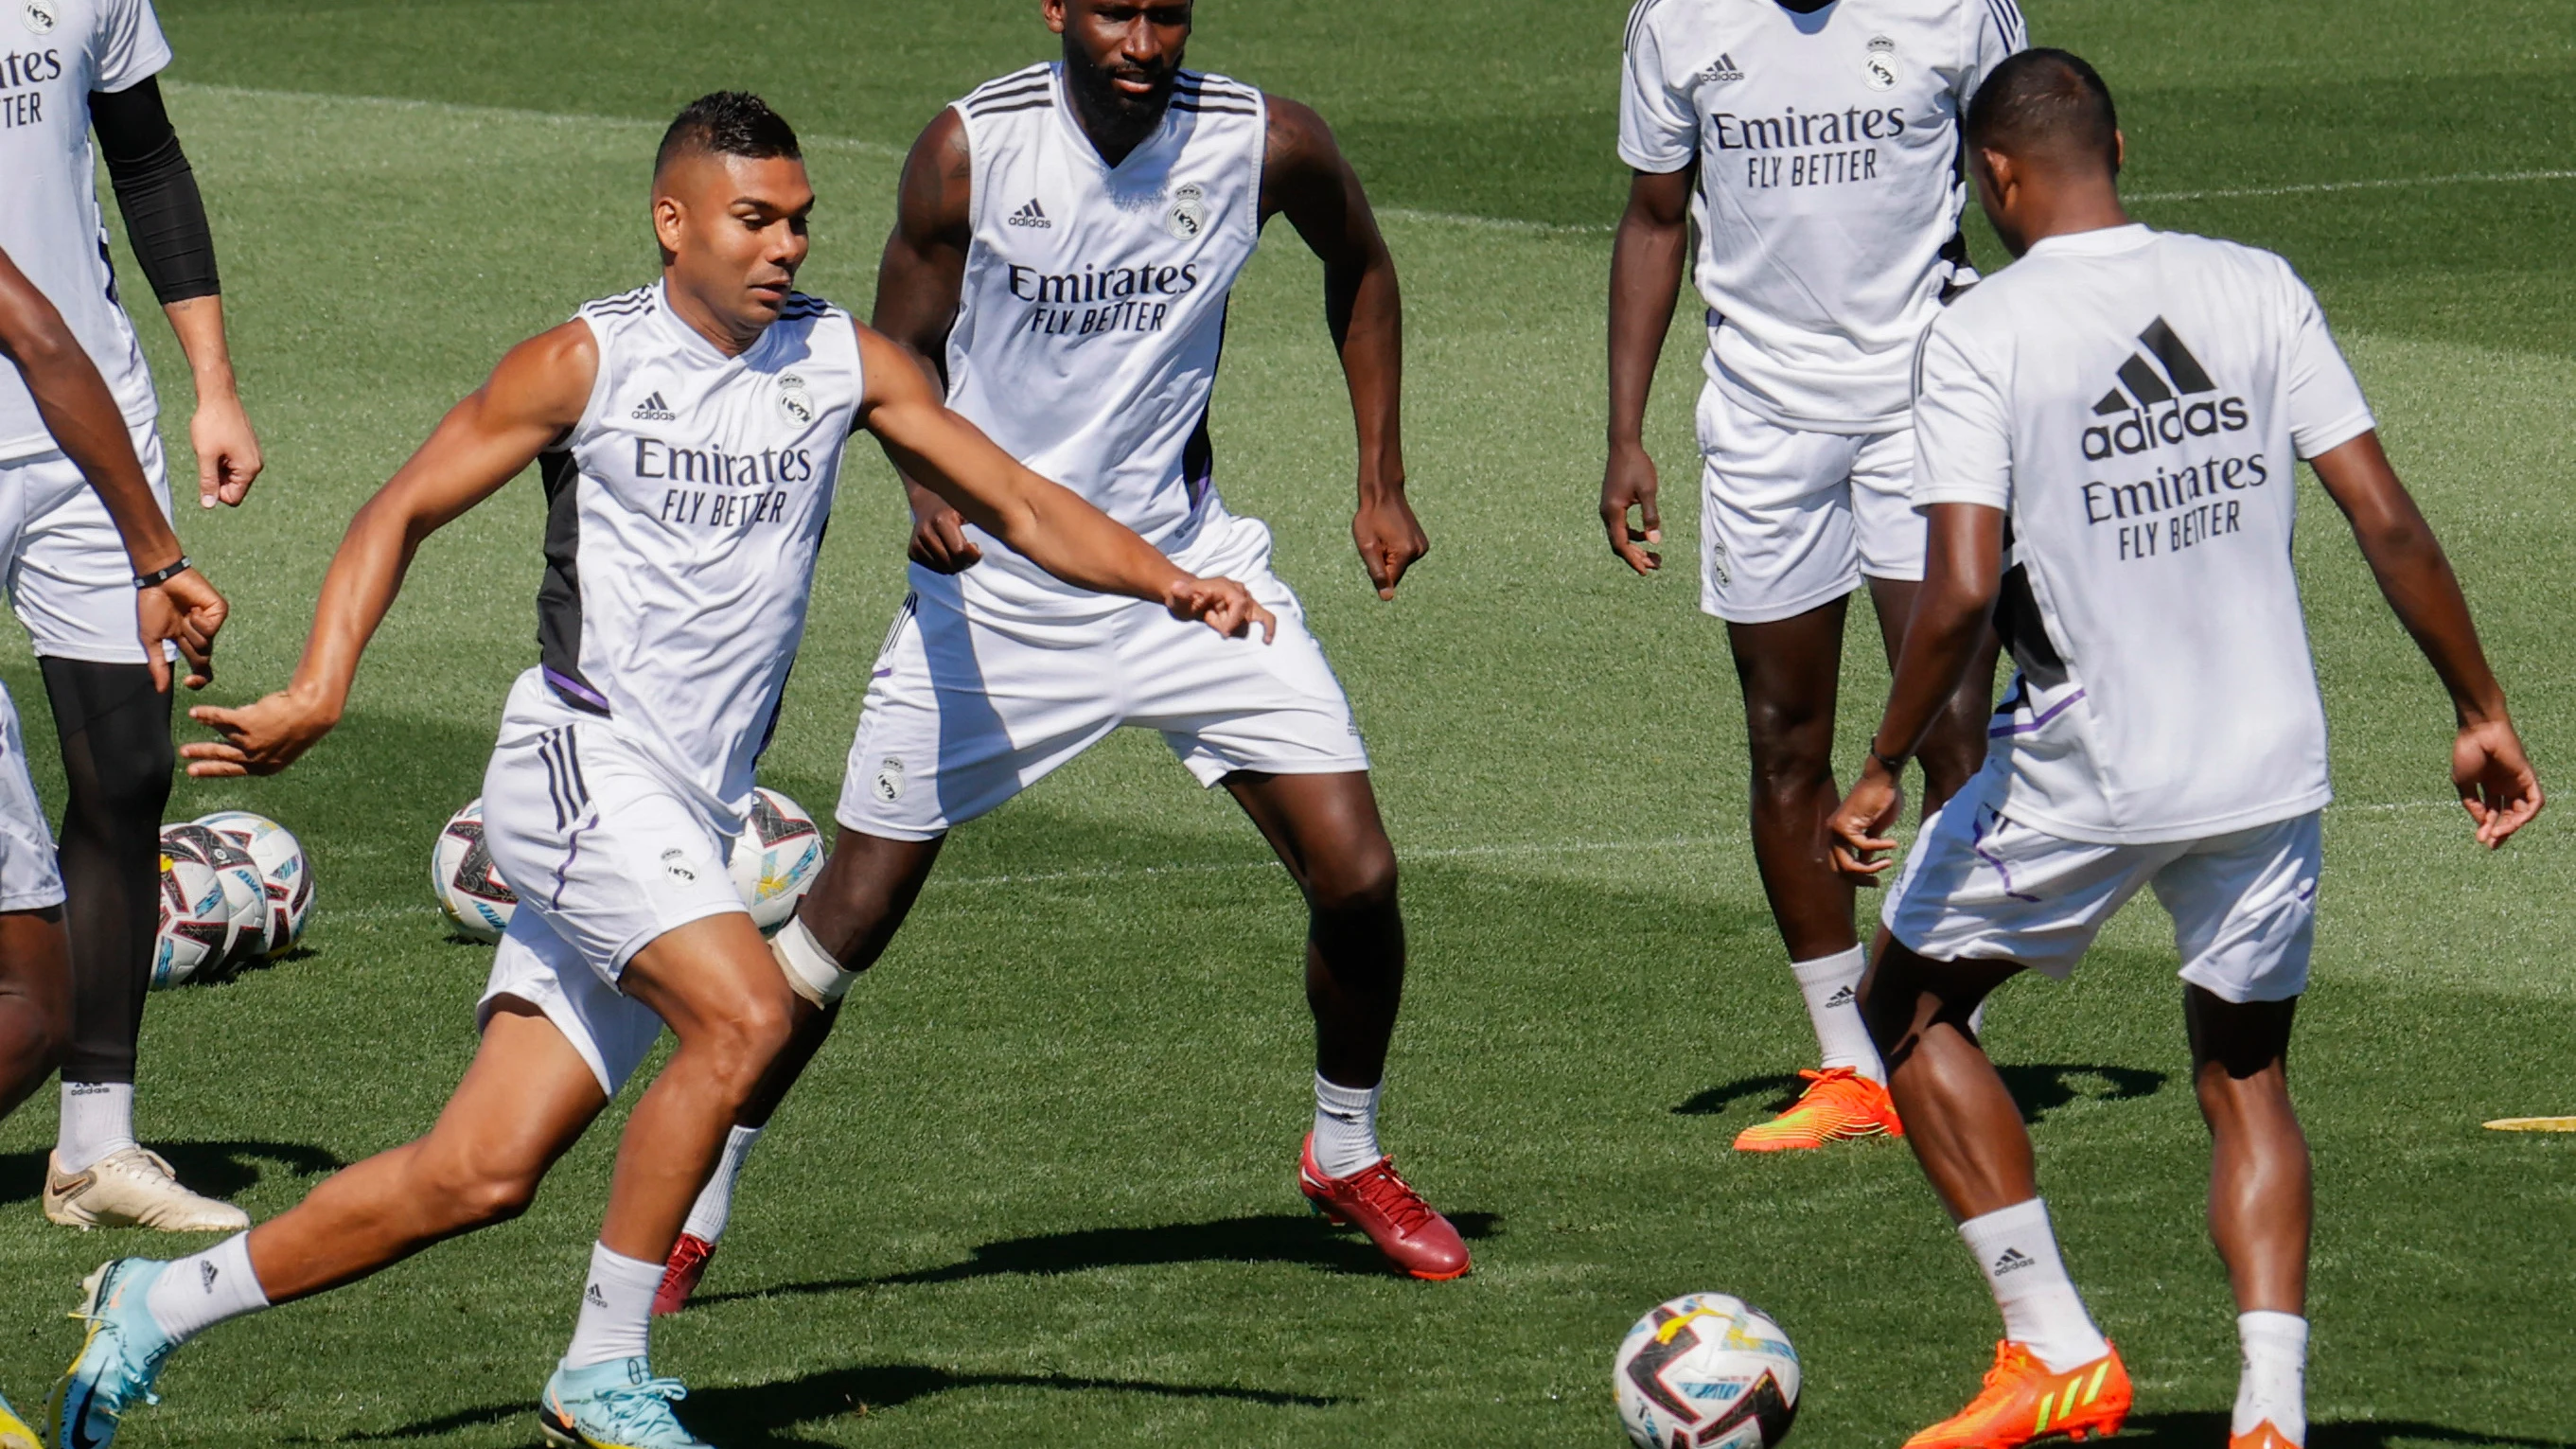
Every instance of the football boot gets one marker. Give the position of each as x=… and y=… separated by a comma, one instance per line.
x=613, y=1405
x=2024, y=1401
x=1838, y=1105
x=119, y=1358
x=1383, y=1205
x=680, y=1275
x=132, y=1188
x=2265, y=1435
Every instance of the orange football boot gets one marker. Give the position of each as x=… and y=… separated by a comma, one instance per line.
x=2023, y=1403
x=2263, y=1436
x=1839, y=1105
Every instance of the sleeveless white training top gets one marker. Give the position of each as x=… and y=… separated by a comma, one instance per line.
x=1093, y=307
x=683, y=514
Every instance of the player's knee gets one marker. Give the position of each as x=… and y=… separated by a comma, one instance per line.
x=1360, y=883
x=736, y=1048
x=477, y=1195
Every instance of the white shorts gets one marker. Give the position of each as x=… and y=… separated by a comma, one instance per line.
x=965, y=712
x=1791, y=520
x=29, y=877
x=67, y=571
x=605, y=856
x=1981, y=886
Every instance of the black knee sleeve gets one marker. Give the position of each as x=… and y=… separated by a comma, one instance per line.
x=115, y=731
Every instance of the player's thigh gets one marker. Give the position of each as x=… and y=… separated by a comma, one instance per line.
x=2244, y=908
x=29, y=877
x=1890, y=535
x=526, y=1098
x=1777, y=532
x=534, y=970
x=1981, y=886
x=713, y=978
x=70, y=580
x=962, y=714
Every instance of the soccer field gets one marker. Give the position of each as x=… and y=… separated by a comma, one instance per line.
x=1040, y=1188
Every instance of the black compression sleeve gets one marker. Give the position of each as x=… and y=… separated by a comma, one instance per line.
x=157, y=192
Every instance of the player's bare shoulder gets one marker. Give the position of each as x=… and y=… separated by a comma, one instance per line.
x=549, y=377
x=1299, y=152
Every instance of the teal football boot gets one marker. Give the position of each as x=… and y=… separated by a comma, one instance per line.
x=119, y=1358
x=616, y=1405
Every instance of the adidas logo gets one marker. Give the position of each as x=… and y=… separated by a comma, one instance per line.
x=1843, y=997
x=2165, y=375
x=653, y=410
x=1722, y=69
x=2013, y=1261
x=592, y=1296
x=207, y=1273
x=1031, y=214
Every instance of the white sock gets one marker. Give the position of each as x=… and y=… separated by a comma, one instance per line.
x=1345, y=1127
x=98, y=1118
x=197, y=1292
x=2275, y=1383
x=2018, y=1252
x=616, y=1310
x=1831, y=985
x=715, y=1200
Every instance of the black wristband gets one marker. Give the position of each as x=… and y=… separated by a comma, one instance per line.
x=160, y=576
x=1892, y=766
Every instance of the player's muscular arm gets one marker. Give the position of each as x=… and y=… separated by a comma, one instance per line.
x=81, y=413
x=2493, y=775
x=1646, y=261
x=919, y=280
x=1305, y=176
x=534, y=397
x=1962, y=573
x=1049, y=524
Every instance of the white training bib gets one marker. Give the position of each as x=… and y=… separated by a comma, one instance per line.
x=1093, y=306
x=683, y=515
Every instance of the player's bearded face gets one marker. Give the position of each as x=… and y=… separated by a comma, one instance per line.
x=733, y=233
x=1121, y=59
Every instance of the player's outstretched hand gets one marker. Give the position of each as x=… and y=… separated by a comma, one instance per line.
x=1858, y=829
x=228, y=458
x=939, y=541
x=1629, y=482
x=1222, y=605
x=1390, y=539
x=184, y=610
x=2495, y=780
x=260, y=738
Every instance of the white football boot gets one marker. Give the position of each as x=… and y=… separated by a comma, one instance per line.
x=132, y=1188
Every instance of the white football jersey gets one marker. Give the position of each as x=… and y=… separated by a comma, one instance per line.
x=1093, y=307
x=683, y=514
x=53, y=54
x=2136, y=402
x=1829, y=188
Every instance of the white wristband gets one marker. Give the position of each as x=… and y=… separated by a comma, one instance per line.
x=811, y=971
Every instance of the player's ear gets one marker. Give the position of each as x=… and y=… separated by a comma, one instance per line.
x=2119, y=152
x=667, y=217
x=1053, y=10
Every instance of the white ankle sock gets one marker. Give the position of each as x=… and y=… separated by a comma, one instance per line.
x=715, y=1200
x=2275, y=1382
x=197, y=1292
x=1831, y=985
x=2017, y=1250
x=616, y=1310
x=98, y=1118
x=1345, y=1127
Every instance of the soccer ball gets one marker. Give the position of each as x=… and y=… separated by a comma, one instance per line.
x=1707, y=1371
x=283, y=868
x=477, y=901
x=210, y=897
x=776, y=860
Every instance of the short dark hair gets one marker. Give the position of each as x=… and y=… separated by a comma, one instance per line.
x=2045, y=101
x=728, y=123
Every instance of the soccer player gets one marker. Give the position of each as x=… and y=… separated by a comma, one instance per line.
x=79, y=66
x=1066, y=241
x=1814, y=147
x=172, y=603
x=2127, y=407
x=689, y=435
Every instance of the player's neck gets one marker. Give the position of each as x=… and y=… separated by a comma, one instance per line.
x=1114, y=126
x=726, y=335
x=2066, y=211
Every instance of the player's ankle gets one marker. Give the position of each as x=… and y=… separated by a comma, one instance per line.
x=197, y=1292
x=97, y=1121
x=615, y=1323
x=1831, y=987
x=1345, y=1132
x=2273, y=1386
x=2016, y=1249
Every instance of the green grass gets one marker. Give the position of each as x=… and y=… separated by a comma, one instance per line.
x=1039, y=1188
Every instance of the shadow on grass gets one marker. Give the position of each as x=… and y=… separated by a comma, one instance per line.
x=217, y=1169
x=2039, y=1088
x=1274, y=1238
x=760, y=1414
x=2173, y=1431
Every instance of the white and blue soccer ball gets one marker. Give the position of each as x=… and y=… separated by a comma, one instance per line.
x=776, y=860
x=211, y=899
x=1706, y=1371
x=285, y=873
x=477, y=901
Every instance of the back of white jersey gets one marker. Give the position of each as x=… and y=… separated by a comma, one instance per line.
x=53, y=54
x=683, y=517
x=1093, y=306
x=2137, y=402
x=1829, y=191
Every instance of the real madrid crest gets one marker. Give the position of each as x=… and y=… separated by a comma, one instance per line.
x=889, y=781
x=793, y=400
x=1879, y=66
x=1188, y=216
x=39, y=15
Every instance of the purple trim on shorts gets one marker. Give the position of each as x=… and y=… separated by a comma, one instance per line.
x=882, y=673
x=2307, y=892
x=572, y=852
x=2037, y=724
x=576, y=691
x=1977, y=846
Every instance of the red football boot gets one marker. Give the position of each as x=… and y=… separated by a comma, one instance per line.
x=680, y=1277
x=1385, y=1206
